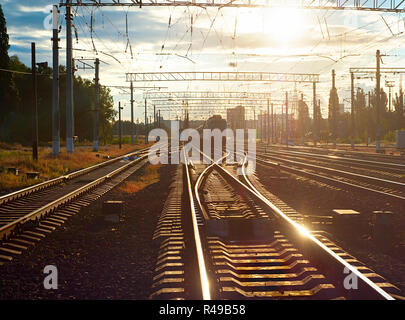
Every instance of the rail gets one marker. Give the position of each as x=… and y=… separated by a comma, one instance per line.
x=43, y=185
x=7, y=230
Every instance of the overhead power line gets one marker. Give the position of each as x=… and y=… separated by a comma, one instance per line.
x=396, y=6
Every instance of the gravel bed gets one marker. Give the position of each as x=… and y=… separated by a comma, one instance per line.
x=95, y=259
x=314, y=198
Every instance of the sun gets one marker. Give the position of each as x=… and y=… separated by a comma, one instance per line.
x=280, y=27
x=284, y=26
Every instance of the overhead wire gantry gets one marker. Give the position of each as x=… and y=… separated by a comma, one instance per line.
x=206, y=95
x=391, y=6
x=232, y=77
x=221, y=76
x=364, y=5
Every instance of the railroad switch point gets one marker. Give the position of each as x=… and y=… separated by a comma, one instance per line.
x=113, y=210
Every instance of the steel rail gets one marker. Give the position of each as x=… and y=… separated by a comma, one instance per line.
x=320, y=148
x=339, y=158
x=396, y=183
x=7, y=229
x=329, y=179
x=297, y=228
x=205, y=285
x=43, y=185
x=200, y=178
x=307, y=234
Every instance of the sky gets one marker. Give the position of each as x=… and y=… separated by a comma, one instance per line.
x=164, y=39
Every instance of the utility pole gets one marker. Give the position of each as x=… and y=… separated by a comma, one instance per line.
x=318, y=111
x=254, y=120
x=146, y=123
x=378, y=129
x=154, y=116
x=260, y=124
x=282, y=124
x=137, y=128
x=264, y=129
x=301, y=126
x=55, y=84
x=272, y=125
x=69, y=80
x=97, y=106
x=119, y=124
x=352, y=108
x=159, y=119
x=368, y=117
x=334, y=110
x=286, y=118
x=268, y=121
x=132, y=112
x=315, y=114
x=34, y=104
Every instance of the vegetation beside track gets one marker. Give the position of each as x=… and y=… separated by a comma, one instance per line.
x=150, y=176
x=49, y=167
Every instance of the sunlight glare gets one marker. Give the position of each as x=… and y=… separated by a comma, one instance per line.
x=284, y=25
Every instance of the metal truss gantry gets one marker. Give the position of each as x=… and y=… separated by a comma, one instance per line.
x=365, y=5
x=206, y=95
x=373, y=70
x=203, y=108
x=222, y=76
x=213, y=101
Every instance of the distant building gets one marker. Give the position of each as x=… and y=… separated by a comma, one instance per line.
x=235, y=117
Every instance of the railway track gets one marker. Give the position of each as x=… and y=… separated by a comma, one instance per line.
x=28, y=215
x=380, y=169
x=355, y=154
x=250, y=245
x=389, y=168
x=326, y=170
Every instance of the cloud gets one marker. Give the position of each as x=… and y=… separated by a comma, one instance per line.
x=341, y=40
x=32, y=9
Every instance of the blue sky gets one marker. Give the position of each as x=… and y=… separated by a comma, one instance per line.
x=225, y=40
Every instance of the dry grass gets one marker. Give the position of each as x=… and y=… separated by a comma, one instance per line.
x=48, y=166
x=150, y=176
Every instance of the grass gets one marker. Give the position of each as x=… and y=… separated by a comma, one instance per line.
x=49, y=167
x=150, y=176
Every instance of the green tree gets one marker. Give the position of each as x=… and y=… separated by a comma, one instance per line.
x=383, y=113
x=361, y=114
x=8, y=92
x=303, y=120
x=399, y=109
x=333, y=114
x=18, y=126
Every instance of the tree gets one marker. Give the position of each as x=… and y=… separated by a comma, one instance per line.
x=361, y=114
x=8, y=92
x=303, y=120
x=399, y=109
x=333, y=113
x=18, y=126
x=383, y=113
